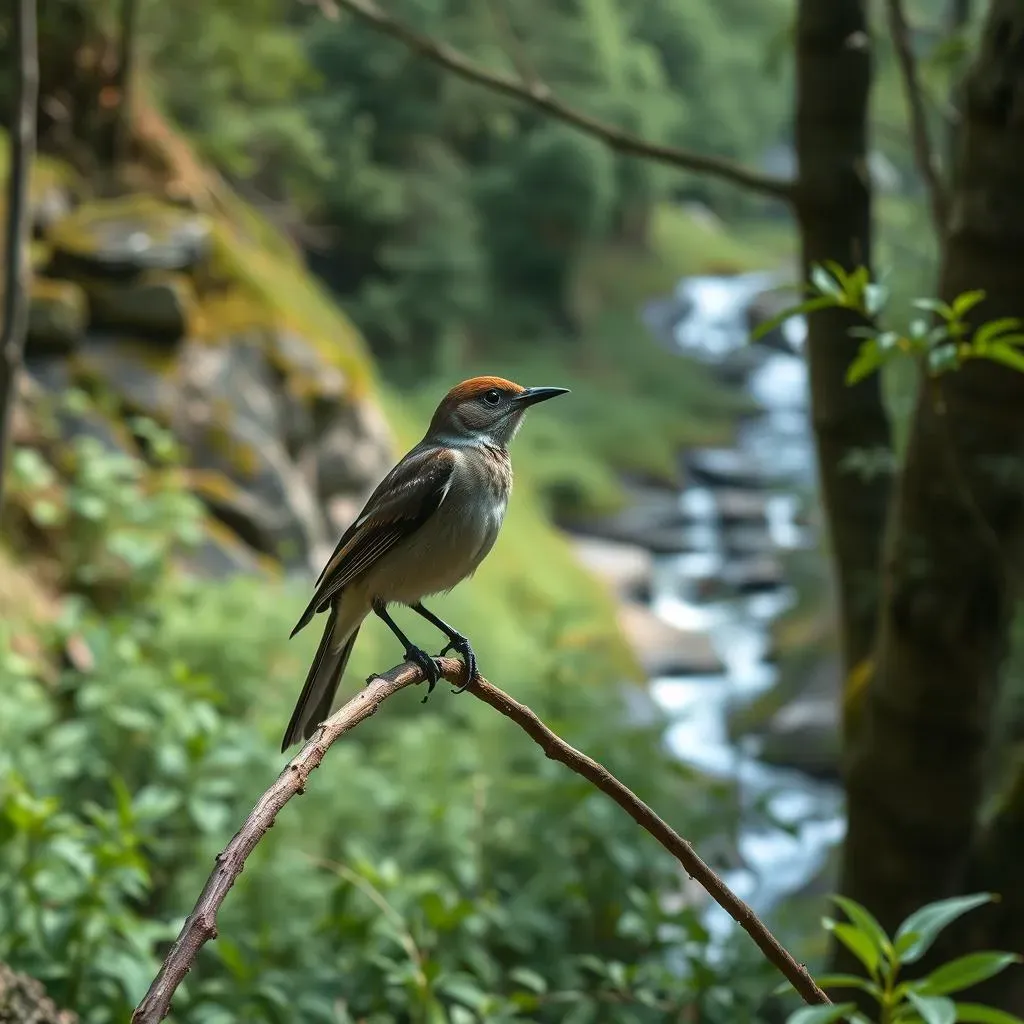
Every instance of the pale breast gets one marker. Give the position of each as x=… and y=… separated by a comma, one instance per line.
x=456, y=538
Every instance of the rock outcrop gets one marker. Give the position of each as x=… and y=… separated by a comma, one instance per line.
x=220, y=336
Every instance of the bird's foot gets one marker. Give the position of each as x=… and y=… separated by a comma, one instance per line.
x=461, y=646
x=430, y=668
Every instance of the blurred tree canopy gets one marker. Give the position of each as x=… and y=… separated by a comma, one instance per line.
x=425, y=187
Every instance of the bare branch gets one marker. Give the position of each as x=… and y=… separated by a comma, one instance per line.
x=558, y=750
x=538, y=95
x=201, y=925
x=924, y=155
x=25, y=70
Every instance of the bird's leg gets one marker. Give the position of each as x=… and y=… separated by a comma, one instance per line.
x=412, y=652
x=456, y=642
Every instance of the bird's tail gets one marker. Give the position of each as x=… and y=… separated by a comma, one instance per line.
x=314, y=703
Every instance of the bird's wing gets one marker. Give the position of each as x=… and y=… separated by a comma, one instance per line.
x=403, y=501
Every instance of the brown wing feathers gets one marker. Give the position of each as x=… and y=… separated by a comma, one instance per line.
x=404, y=500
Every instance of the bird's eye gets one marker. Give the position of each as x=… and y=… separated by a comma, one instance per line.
x=492, y=397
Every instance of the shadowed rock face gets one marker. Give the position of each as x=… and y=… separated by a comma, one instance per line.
x=173, y=316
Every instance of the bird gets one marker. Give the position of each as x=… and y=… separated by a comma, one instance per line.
x=428, y=526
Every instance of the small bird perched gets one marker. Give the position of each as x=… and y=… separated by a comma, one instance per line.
x=427, y=526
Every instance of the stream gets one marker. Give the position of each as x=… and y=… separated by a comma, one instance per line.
x=787, y=822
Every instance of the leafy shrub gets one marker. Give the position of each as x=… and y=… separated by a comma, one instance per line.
x=439, y=868
x=884, y=958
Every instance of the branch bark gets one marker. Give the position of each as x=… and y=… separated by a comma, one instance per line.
x=201, y=924
x=25, y=67
x=536, y=94
x=924, y=154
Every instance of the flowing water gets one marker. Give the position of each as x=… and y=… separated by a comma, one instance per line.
x=787, y=822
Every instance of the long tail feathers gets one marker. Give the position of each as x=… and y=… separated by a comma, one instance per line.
x=314, y=704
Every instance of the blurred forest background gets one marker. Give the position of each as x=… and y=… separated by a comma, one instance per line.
x=266, y=237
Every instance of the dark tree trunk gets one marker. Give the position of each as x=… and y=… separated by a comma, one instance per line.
x=25, y=68
x=833, y=80
x=915, y=768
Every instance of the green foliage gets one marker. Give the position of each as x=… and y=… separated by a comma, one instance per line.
x=919, y=1001
x=943, y=344
x=542, y=208
x=230, y=72
x=452, y=874
x=508, y=247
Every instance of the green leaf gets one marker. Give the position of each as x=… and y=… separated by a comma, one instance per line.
x=820, y=1014
x=825, y=283
x=935, y=306
x=848, y=981
x=866, y=922
x=994, y=330
x=934, y=1009
x=1001, y=352
x=975, y=1013
x=926, y=923
x=810, y=306
x=965, y=971
x=528, y=979
x=875, y=298
x=869, y=358
x=859, y=944
x=965, y=302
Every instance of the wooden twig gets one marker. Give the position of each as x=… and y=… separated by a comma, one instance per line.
x=537, y=94
x=924, y=154
x=25, y=73
x=201, y=924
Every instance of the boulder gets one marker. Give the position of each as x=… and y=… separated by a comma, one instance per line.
x=725, y=467
x=124, y=237
x=142, y=377
x=353, y=451
x=230, y=419
x=627, y=568
x=664, y=650
x=805, y=735
x=156, y=305
x=57, y=316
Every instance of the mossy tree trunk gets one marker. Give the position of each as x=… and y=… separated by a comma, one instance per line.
x=915, y=768
x=25, y=69
x=833, y=207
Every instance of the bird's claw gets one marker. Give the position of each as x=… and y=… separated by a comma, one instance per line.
x=462, y=646
x=430, y=668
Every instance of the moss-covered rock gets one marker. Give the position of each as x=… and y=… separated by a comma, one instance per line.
x=156, y=305
x=127, y=236
x=57, y=316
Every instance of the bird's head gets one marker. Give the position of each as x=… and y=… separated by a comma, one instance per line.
x=487, y=409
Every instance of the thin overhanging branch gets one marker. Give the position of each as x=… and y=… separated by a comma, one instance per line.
x=538, y=95
x=924, y=154
x=201, y=924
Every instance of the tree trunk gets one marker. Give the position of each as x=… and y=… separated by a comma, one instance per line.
x=833, y=80
x=915, y=769
x=25, y=67
x=125, y=83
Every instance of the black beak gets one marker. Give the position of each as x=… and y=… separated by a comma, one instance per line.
x=531, y=396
